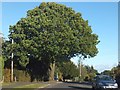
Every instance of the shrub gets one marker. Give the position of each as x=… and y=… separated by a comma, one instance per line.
x=6, y=75
x=1, y=68
x=21, y=76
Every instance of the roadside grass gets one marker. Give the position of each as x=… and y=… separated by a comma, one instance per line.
x=6, y=84
x=30, y=87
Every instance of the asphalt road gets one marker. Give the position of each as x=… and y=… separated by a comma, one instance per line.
x=68, y=86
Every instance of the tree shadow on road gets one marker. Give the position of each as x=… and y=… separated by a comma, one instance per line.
x=80, y=88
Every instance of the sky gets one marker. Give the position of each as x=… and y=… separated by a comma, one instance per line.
x=101, y=16
x=119, y=33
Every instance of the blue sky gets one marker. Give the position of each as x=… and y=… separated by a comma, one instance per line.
x=102, y=17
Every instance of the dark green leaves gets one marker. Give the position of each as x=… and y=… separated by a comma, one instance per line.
x=52, y=30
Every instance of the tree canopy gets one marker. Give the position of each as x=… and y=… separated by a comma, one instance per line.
x=51, y=32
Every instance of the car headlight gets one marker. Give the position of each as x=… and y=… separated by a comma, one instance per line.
x=115, y=84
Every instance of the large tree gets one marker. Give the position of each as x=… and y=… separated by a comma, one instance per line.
x=52, y=32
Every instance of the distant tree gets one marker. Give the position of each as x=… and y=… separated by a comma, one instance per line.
x=106, y=72
x=115, y=73
x=118, y=76
x=50, y=32
x=91, y=72
x=68, y=69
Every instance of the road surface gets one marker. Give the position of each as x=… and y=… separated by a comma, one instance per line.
x=68, y=86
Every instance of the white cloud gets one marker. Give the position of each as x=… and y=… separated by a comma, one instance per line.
x=103, y=67
x=100, y=67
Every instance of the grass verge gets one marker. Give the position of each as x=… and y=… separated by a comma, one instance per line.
x=7, y=84
x=30, y=87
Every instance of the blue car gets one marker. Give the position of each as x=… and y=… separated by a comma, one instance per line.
x=102, y=82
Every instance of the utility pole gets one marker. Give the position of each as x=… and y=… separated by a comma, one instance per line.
x=80, y=67
x=12, y=64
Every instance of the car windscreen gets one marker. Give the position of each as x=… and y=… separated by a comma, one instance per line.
x=106, y=78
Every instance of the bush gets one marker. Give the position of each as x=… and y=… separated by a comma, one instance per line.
x=1, y=68
x=21, y=76
x=6, y=75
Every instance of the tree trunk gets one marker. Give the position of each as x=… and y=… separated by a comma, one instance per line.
x=51, y=72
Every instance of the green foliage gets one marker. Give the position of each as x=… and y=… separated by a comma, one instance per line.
x=106, y=72
x=84, y=72
x=115, y=73
x=118, y=76
x=53, y=30
x=91, y=73
x=21, y=76
x=1, y=67
x=68, y=69
x=50, y=32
